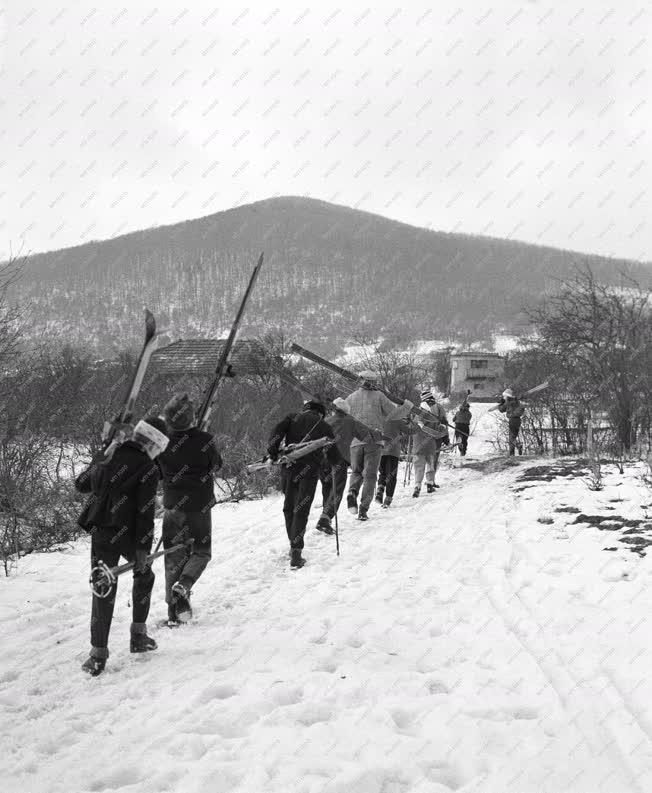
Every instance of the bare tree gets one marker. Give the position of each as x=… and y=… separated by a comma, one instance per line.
x=599, y=337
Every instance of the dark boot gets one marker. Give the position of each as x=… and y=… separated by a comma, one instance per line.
x=324, y=524
x=181, y=601
x=430, y=487
x=387, y=502
x=297, y=560
x=362, y=514
x=380, y=492
x=140, y=641
x=173, y=619
x=96, y=661
x=352, y=502
x=416, y=491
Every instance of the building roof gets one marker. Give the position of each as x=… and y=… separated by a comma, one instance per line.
x=201, y=356
x=475, y=354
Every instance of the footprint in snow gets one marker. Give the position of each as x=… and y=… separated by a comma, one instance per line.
x=283, y=696
x=116, y=778
x=438, y=687
x=216, y=691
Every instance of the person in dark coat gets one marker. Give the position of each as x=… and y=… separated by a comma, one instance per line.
x=345, y=428
x=512, y=407
x=462, y=421
x=120, y=518
x=187, y=468
x=299, y=478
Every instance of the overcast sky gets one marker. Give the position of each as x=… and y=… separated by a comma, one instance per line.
x=528, y=120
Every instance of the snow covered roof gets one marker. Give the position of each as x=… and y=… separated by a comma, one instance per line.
x=475, y=354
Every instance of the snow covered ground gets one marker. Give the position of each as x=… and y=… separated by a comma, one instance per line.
x=478, y=639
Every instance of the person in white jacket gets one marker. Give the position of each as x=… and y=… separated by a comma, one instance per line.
x=426, y=446
x=372, y=408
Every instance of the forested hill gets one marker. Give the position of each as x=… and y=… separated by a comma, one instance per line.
x=330, y=272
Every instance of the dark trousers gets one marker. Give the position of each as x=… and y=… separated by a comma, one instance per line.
x=387, y=473
x=514, y=429
x=185, y=564
x=299, y=485
x=462, y=436
x=333, y=498
x=108, y=546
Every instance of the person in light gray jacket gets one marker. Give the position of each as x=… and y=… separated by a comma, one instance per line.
x=372, y=408
x=425, y=446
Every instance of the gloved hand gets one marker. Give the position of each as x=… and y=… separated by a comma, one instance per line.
x=140, y=562
x=272, y=455
x=408, y=404
x=445, y=441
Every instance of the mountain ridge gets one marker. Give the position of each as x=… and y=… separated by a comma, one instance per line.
x=331, y=273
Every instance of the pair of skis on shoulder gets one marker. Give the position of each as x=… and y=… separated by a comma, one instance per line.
x=122, y=421
x=355, y=379
x=290, y=453
x=525, y=394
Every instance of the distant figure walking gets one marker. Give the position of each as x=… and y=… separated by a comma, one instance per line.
x=462, y=421
x=511, y=406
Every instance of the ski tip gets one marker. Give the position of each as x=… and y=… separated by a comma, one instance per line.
x=260, y=258
x=150, y=325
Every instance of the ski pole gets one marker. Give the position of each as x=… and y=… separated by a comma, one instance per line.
x=103, y=577
x=337, y=533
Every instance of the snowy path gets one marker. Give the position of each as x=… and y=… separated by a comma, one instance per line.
x=457, y=644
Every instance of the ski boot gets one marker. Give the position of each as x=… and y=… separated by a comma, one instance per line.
x=379, y=494
x=181, y=601
x=352, y=502
x=96, y=661
x=416, y=492
x=324, y=525
x=297, y=560
x=362, y=514
x=141, y=643
x=387, y=502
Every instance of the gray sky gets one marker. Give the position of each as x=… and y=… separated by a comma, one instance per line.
x=527, y=120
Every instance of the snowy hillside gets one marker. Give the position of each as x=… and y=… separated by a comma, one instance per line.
x=478, y=639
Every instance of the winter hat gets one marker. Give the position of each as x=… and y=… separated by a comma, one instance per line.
x=152, y=429
x=179, y=412
x=369, y=375
x=508, y=394
x=316, y=405
x=426, y=395
x=340, y=404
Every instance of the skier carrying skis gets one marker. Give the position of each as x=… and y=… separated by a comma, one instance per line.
x=299, y=478
x=120, y=517
x=372, y=408
x=512, y=407
x=345, y=428
x=395, y=430
x=425, y=447
x=462, y=421
x=187, y=468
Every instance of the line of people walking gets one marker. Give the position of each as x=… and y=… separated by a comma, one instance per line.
x=369, y=432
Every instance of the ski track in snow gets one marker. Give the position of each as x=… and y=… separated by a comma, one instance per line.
x=457, y=644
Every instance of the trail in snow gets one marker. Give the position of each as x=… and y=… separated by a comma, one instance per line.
x=456, y=644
